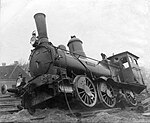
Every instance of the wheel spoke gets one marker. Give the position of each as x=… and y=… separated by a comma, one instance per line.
x=81, y=92
x=88, y=98
x=93, y=93
x=107, y=100
x=110, y=101
x=104, y=94
x=90, y=101
x=84, y=98
x=90, y=85
x=83, y=95
x=92, y=89
x=86, y=82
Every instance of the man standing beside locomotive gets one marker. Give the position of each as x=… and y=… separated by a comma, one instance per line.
x=121, y=99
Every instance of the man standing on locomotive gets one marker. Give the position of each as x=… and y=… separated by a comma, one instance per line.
x=20, y=82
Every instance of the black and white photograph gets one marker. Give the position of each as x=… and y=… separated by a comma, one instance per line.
x=74, y=61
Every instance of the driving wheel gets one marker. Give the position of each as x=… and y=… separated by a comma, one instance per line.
x=106, y=95
x=130, y=97
x=85, y=91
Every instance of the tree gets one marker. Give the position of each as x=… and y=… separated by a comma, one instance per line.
x=146, y=76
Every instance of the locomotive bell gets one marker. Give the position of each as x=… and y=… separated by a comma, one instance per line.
x=75, y=46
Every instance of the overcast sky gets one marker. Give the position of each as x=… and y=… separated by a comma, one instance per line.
x=108, y=26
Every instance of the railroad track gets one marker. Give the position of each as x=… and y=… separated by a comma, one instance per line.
x=8, y=104
x=90, y=113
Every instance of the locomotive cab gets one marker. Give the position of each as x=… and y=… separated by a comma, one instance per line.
x=129, y=69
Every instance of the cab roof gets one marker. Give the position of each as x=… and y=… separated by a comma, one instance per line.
x=123, y=53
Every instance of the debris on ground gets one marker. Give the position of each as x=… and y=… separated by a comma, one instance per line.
x=115, y=115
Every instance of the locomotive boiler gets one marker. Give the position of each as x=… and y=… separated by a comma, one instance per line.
x=56, y=70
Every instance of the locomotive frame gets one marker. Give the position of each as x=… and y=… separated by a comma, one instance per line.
x=55, y=70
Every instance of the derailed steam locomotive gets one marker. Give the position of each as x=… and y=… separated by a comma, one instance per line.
x=55, y=70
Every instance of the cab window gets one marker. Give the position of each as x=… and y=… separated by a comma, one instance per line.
x=125, y=63
x=130, y=59
x=135, y=62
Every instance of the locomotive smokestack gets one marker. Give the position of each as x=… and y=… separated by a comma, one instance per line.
x=41, y=26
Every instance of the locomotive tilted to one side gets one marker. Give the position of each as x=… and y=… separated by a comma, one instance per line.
x=55, y=70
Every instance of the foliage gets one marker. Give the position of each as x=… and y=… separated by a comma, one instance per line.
x=146, y=76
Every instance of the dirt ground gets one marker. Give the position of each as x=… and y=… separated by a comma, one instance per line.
x=57, y=115
x=53, y=115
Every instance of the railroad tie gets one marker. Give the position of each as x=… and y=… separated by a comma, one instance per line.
x=145, y=105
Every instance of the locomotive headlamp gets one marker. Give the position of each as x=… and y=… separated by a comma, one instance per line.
x=34, y=39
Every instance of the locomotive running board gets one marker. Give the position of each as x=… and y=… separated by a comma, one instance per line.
x=137, y=88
